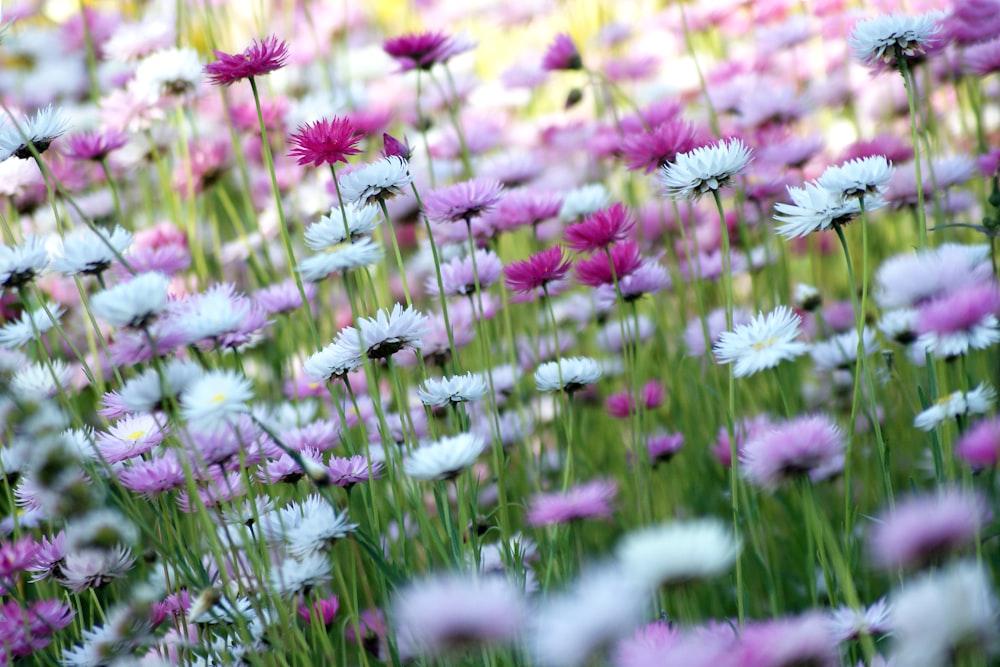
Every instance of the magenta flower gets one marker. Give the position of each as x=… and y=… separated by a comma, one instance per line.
x=426, y=49
x=325, y=141
x=522, y=207
x=562, y=54
x=811, y=446
x=989, y=163
x=653, y=149
x=980, y=445
x=25, y=631
x=663, y=446
x=325, y=610
x=597, y=270
x=94, y=146
x=965, y=319
x=586, y=501
x=259, y=58
x=622, y=405
x=801, y=640
x=462, y=201
x=346, y=472
x=537, y=271
x=393, y=147
x=600, y=229
x=15, y=557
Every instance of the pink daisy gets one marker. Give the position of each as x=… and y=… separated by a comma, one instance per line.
x=346, y=472
x=325, y=610
x=663, y=446
x=811, y=446
x=562, y=54
x=95, y=145
x=801, y=640
x=460, y=277
x=424, y=50
x=600, y=229
x=964, y=319
x=980, y=445
x=462, y=201
x=325, y=141
x=652, y=149
x=622, y=405
x=596, y=270
x=538, y=271
x=525, y=207
x=259, y=58
x=590, y=500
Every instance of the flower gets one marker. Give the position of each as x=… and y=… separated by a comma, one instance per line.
x=705, y=169
x=167, y=72
x=256, y=60
x=20, y=264
x=848, y=623
x=324, y=610
x=216, y=397
x=764, y=342
x=596, y=270
x=16, y=138
x=424, y=50
x=583, y=201
x=678, y=552
x=337, y=359
x=341, y=259
x=860, y=178
x=600, y=229
x=329, y=232
x=30, y=326
x=537, y=272
x=346, y=472
x=376, y=182
x=93, y=568
x=144, y=393
x=568, y=374
x=885, y=38
x=812, y=445
x=956, y=404
x=293, y=576
x=449, y=391
x=445, y=458
x=965, y=319
x=462, y=201
x=91, y=251
x=461, y=276
x=653, y=149
x=38, y=380
x=982, y=59
x=95, y=145
x=841, y=351
x=979, y=447
x=325, y=141
x=455, y=611
x=562, y=54
x=306, y=527
x=815, y=209
x=134, y=303
x=393, y=147
x=783, y=642
x=391, y=331
x=584, y=501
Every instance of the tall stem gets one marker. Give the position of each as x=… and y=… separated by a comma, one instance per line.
x=911, y=99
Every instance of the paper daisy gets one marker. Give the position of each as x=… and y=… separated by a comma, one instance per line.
x=449, y=391
x=569, y=374
x=705, y=169
x=890, y=36
x=216, y=397
x=133, y=304
x=444, y=459
x=678, y=552
x=376, y=182
x=329, y=232
x=20, y=264
x=764, y=342
x=956, y=404
x=815, y=209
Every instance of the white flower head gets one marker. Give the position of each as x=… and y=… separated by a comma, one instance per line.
x=445, y=458
x=38, y=380
x=705, y=169
x=841, y=351
x=30, y=326
x=20, y=264
x=956, y=404
x=457, y=389
x=568, y=374
x=329, y=231
x=216, y=398
x=899, y=325
x=584, y=200
x=377, y=181
x=888, y=36
x=170, y=72
x=815, y=209
x=341, y=259
x=134, y=303
x=337, y=359
x=47, y=125
x=762, y=343
x=293, y=575
x=860, y=178
x=391, y=331
x=678, y=552
x=90, y=251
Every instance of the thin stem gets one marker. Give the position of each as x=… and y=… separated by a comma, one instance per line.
x=911, y=99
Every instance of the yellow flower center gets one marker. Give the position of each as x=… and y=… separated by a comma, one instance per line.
x=218, y=398
x=766, y=343
x=135, y=435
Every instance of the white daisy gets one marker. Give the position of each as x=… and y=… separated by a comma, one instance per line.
x=20, y=264
x=457, y=389
x=48, y=124
x=143, y=393
x=170, y=72
x=29, y=327
x=341, y=259
x=705, y=169
x=841, y=351
x=888, y=36
x=848, y=623
x=678, y=552
x=134, y=303
x=216, y=398
x=762, y=343
x=815, y=209
x=860, y=178
x=294, y=576
x=391, y=331
x=90, y=251
x=329, y=231
x=38, y=381
x=807, y=297
x=977, y=336
x=337, y=359
x=956, y=404
x=309, y=526
x=569, y=374
x=445, y=458
x=899, y=325
x=377, y=181
x=132, y=41
x=583, y=201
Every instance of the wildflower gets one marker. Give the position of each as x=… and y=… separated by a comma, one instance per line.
x=130, y=437
x=815, y=209
x=305, y=527
x=909, y=280
x=393, y=147
x=562, y=54
x=891, y=36
x=134, y=303
x=538, y=271
x=16, y=138
x=16, y=557
x=460, y=277
x=652, y=150
x=841, y=351
x=979, y=447
x=325, y=610
x=424, y=50
x=593, y=499
x=445, y=458
x=848, y=623
x=764, y=342
x=30, y=326
x=663, y=446
x=568, y=374
x=346, y=472
x=678, y=552
x=596, y=270
x=41, y=380
x=899, y=325
x=94, y=146
x=168, y=72
x=963, y=320
x=94, y=568
x=583, y=201
x=862, y=178
x=811, y=446
x=705, y=169
x=257, y=59
x=294, y=576
x=376, y=182
x=982, y=59
x=144, y=393
x=20, y=264
x=91, y=252
x=341, y=259
x=151, y=477
x=217, y=396
x=282, y=297
x=956, y=404
x=325, y=141
x=218, y=317
x=449, y=391
x=337, y=359
x=390, y=332
x=622, y=405
x=798, y=640
x=600, y=229
x=446, y=612
x=462, y=201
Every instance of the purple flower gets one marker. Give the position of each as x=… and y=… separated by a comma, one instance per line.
x=459, y=277
x=462, y=201
x=95, y=145
x=16, y=557
x=325, y=141
x=562, y=54
x=600, y=229
x=663, y=446
x=800, y=640
x=259, y=58
x=811, y=446
x=590, y=500
x=346, y=472
x=980, y=445
x=282, y=297
x=424, y=50
x=538, y=271
x=653, y=149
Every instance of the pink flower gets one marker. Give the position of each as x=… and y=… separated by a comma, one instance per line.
x=538, y=271
x=424, y=50
x=585, y=501
x=663, y=446
x=325, y=141
x=989, y=163
x=980, y=445
x=462, y=201
x=892, y=147
x=801, y=640
x=596, y=270
x=522, y=207
x=393, y=147
x=460, y=277
x=346, y=472
x=325, y=610
x=16, y=557
x=94, y=146
x=259, y=58
x=652, y=149
x=622, y=405
x=600, y=229
x=562, y=54
x=812, y=445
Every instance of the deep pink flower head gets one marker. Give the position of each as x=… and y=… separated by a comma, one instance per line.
x=973, y=21
x=622, y=405
x=650, y=150
x=325, y=141
x=462, y=201
x=15, y=557
x=600, y=229
x=663, y=446
x=259, y=58
x=811, y=446
x=424, y=50
x=596, y=270
x=801, y=640
x=989, y=163
x=393, y=147
x=562, y=54
x=960, y=311
x=924, y=529
x=537, y=271
x=95, y=145
x=980, y=445
x=585, y=501
x=893, y=148
x=325, y=610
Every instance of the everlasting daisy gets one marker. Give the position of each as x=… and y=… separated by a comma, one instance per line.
x=654, y=149
x=20, y=264
x=94, y=146
x=449, y=391
x=786, y=642
x=29, y=326
x=341, y=259
x=596, y=270
x=94, y=568
x=46, y=126
x=445, y=458
x=283, y=297
x=815, y=209
x=144, y=393
x=336, y=360
x=295, y=576
x=537, y=272
x=91, y=252
x=169, y=72
x=600, y=229
x=891, y=36
x=306, y=527
x=678, y=552
x=862, y=178
x=963, y=320
x=562, y=54
x=979, y=447
x=37, y=380
x=462, y=201
x=130, y=437
x=376, y=182
x=134, y=303
x=391, y=331
x=424, y=50
x=705, y=169
x=764, y=342
x=258, y=59
x=346, y=472
x=217, y=396
x=568, y=374
x=593, y=499
x=849, y=624
x=325, y=141
x=460, y=276
x=841, y=351
x=811, y=446
x=329, y=231
x=956, y=404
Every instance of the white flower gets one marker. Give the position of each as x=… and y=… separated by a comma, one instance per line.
x=132, y=304
x=899, y=325
x=20, y=264
x=144, y=392
x=569, y=374
x=848, y=623
x=341, y=259
x=293, y=576
x=329, y=231
x=807, y=297
x=31, y=325
x=132, y=41
x=841, y=351
x=377, y=181
x=48, y=124
x=860, y=178
x=445, y=458
x=678, y=552
x=458, y=389
x=764, y=342
x=816, y=209
x=583, y=201
x=216, y=398
x=90, y=251
x=391, y=331
x=170, y=72
x=41, y=380
x=979, y=336
x=909, y=279
x=940, y=612
x=705, y=169
x=307, y=527
x=337, y=359
x=957, y=404
x=884, y=37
